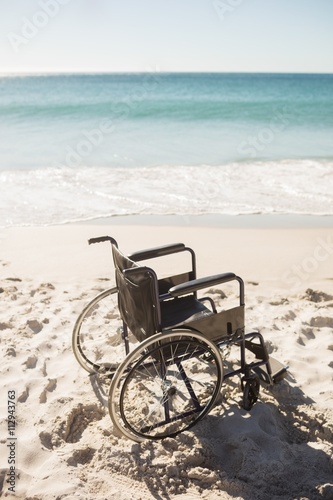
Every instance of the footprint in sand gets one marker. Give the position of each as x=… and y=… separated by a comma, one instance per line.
x=46, y=439
x=24, y=396
x=11, y=351
x=6, y=326
x=300, y=341
x=35, y=325
x=78, y=420
x=322, y=322
x=69, y=428
x=82, y=456
x=289, y=316
x=315, y=296
x=31, y=362
x=51, y=386
x=308, y=332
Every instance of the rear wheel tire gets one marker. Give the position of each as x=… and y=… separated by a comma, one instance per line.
x=165, y=385
x=99, y=336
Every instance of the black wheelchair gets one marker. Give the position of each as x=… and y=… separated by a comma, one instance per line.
x=162, y=345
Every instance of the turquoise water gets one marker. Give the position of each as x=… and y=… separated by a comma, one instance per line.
x=101, y=138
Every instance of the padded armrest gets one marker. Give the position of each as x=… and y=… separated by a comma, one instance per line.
x=151, y=253
x=194, y=285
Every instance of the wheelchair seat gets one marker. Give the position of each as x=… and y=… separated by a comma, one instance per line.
x=182, y=310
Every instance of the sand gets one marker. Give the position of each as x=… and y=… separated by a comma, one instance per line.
x=66, y=447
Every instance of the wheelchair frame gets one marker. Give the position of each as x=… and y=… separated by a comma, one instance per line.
x=166, y=333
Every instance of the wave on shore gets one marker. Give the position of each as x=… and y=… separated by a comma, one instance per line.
x=64, y=194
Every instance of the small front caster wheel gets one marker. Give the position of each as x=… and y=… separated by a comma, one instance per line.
x=250, y=393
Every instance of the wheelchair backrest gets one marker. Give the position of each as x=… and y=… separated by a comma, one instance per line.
x=137, y=296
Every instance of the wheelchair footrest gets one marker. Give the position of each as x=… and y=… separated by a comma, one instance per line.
x=278, y=372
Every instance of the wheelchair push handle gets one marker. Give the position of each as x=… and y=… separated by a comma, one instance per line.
x=102, y=239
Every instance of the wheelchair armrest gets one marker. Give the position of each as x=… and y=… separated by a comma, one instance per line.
x=198, y=284
x=151, y=253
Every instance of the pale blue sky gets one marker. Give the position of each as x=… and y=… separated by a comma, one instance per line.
x=166, y=35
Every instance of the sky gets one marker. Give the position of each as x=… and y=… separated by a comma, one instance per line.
x=166, y=35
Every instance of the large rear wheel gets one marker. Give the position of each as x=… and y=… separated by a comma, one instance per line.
x=100, y=339
x=166, y=385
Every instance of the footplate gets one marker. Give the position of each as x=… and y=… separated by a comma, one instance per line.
x=278, y=372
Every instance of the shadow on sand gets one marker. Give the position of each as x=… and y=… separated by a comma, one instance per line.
x=280, y=450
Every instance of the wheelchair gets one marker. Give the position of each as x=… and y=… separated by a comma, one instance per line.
x=162, y=345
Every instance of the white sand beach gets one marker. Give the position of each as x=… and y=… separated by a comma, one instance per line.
x=66, y=447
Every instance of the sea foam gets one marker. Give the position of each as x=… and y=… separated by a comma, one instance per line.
x=60, y=195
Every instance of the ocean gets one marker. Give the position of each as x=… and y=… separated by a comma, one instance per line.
x=90, y=146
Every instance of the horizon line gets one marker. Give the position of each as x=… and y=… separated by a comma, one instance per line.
x=124, y=72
